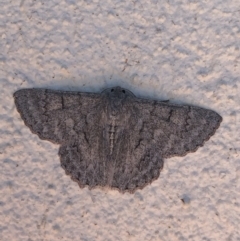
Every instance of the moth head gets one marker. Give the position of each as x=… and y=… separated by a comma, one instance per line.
x=118, y=92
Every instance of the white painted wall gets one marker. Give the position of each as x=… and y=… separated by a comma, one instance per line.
x=184, y=51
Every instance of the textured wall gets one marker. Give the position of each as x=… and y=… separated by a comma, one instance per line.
x=182, y=51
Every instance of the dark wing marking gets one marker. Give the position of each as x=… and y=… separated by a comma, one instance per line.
x=56, y=116
x=175, y=130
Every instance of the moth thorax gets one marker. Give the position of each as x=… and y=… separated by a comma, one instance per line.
x=112, y=133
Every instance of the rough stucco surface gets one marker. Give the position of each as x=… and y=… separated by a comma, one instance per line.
x=182, y=51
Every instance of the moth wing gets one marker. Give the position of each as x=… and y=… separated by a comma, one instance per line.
x=175, y=130
x=56, y=116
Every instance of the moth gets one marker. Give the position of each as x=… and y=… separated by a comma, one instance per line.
x=114, y=139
